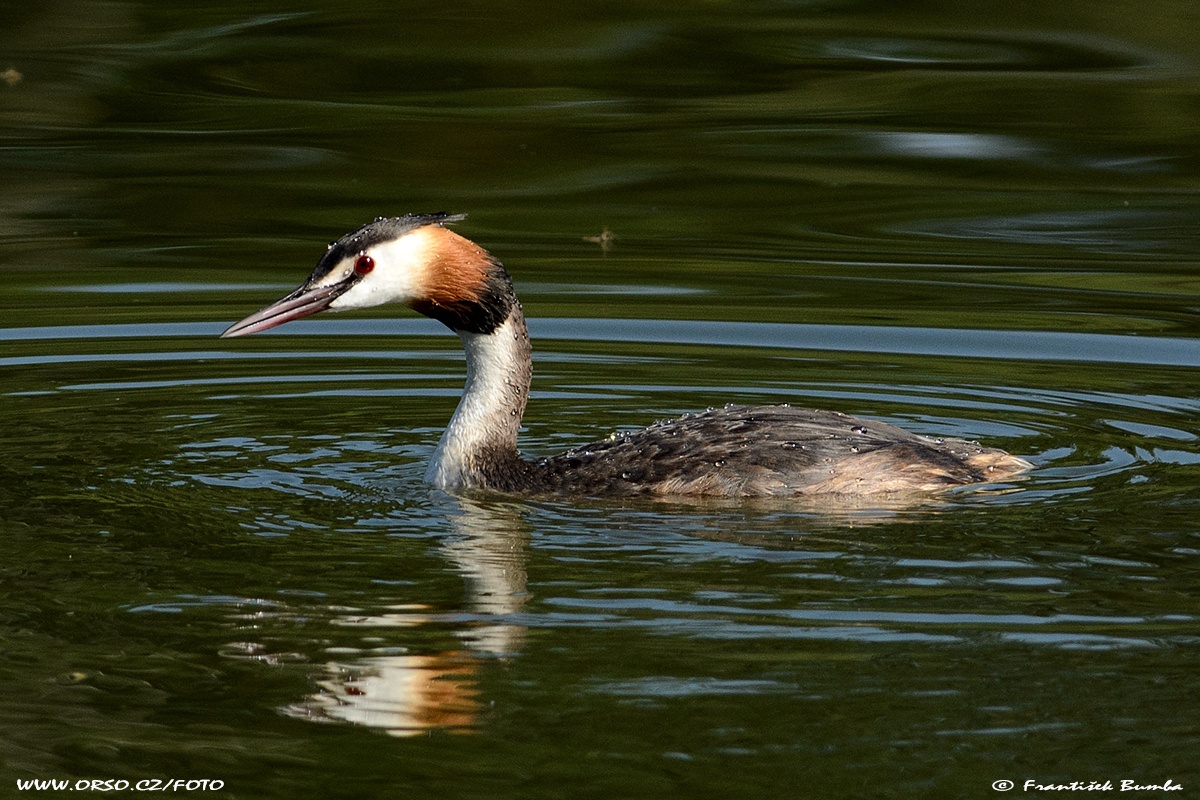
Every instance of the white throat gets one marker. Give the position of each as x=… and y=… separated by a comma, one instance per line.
x=482, y=434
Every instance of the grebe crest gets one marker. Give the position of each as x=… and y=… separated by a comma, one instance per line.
x=734, y=451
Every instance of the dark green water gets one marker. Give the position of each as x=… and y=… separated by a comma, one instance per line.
x=219, y=560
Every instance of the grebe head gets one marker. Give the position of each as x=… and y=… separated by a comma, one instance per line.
x=411, y=259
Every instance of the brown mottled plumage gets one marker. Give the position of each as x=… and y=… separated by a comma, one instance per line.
x=754, y=451
x=737, y=451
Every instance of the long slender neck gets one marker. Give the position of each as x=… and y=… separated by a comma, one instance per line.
x=479, y=447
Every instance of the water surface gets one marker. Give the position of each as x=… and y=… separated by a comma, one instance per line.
x=220, y=560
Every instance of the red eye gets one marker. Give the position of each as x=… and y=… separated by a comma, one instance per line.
x=363, y=264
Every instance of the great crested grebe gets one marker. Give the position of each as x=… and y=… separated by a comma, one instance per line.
x=738, y=451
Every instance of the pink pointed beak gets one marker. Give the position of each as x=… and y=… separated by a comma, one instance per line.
x=301, y=303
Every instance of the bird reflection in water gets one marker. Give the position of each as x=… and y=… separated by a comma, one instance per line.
x=407, y=695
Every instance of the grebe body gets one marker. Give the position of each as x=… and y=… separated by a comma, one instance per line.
x=735, y=451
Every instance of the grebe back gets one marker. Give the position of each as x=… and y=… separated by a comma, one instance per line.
x=736, y=451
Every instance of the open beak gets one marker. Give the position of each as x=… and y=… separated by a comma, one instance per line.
x=304, y=302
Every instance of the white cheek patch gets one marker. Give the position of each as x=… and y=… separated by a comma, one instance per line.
x=399, y=275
